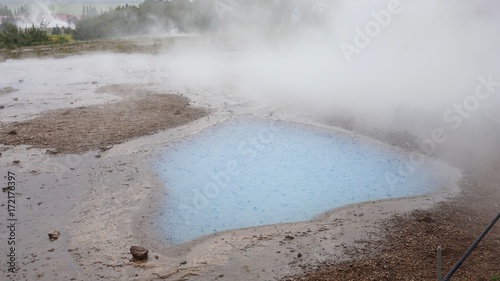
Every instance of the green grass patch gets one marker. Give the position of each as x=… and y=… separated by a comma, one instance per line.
x=62, y=38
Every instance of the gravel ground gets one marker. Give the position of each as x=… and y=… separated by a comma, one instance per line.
x=82, y=129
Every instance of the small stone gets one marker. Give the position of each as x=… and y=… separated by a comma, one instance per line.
x=289, y=237
x=94, y=82
x=183, y=262
x=54, y=235
x=2, y=106
x=16, y=99
x=51, y=250
x=139, y=252
x=16, y=162
x=177, y=112
x=299, y=255
x=156, y=257
x=13, y=132
x=221, y=275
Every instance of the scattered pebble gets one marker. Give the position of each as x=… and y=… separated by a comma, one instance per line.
x=54, y=235
x=139, y=253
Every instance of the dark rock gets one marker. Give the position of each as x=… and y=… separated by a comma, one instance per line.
x=299, y=255
x=16, y=162
x=15, y=99
x=289, y=237
x=13, y=132
x=105, y=148
x=427, y=219
x=183, y=262
x=139, y=252
x=2, y=106
x=54, y=235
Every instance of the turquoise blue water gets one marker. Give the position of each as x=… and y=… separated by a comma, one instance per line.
x=253, y=172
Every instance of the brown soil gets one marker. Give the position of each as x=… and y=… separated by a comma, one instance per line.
x=83, y=129
x=408, y=250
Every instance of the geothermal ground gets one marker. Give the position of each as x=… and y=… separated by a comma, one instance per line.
x=82, y=145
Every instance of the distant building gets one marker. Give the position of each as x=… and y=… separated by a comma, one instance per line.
x=69, y=19
x=9, y=18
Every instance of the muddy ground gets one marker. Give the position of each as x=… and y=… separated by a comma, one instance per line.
x=88, y=175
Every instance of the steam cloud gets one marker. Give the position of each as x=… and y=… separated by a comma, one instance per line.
x=426, y=59
x=40, y=12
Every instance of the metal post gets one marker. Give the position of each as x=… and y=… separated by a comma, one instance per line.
x=439, y=267
x=472, y=247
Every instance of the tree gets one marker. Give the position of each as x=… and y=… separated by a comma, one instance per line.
x=12, y=36
x=5, y=11
x=56, y=30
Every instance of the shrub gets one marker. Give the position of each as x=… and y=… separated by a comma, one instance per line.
x=12, y=36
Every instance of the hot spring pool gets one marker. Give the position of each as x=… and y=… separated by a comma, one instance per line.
x=253, y=172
